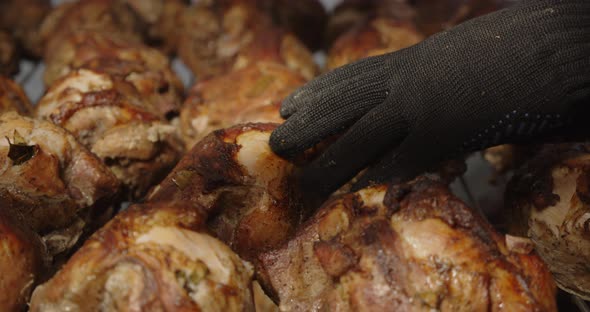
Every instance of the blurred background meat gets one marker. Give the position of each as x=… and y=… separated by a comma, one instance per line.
x=107, y=16
x=547, y=200
x=22, y=19
x=8, y=55
x=411, y=247
x=218, y=38
x=351, y=14
x=161, y=17
x=13, y=98
x=303, y=18
x=375, y=37
x=252, y=94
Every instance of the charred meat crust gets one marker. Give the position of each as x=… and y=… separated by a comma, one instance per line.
x=360, y=245
x=245, y=211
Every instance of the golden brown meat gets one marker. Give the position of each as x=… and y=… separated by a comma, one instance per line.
x=108, y=16
x=377, y=36
x=547, y=200
x=411, y=247
x=50, y=182
x=147, y=69
x=21, y=264
x=151, y=257
x=23, y=18
x=13, y=98
x=8, y=55
x=216, y=39
x=109, y=116
x=245, y=190
x=252, y=94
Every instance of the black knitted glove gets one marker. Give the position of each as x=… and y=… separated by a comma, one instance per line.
x=513, y=75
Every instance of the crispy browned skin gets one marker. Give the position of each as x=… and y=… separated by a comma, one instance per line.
x=147, y=69
x=23, y=18
x=109, y=16
x=13, y=98
x=151, y=257
x=412, y=247
x=20, y=262
x=547, y=200
x=51, y=182
x=8, y=55
x=109, y=116
x=218, y=38
x=246, y=190
x=252, y=94
x=377, y=36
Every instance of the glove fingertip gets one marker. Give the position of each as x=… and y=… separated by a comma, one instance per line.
x=284, y=142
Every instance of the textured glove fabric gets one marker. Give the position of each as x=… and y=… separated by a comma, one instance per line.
x=510, y=76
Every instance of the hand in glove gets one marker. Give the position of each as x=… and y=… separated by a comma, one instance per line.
x=513, y=75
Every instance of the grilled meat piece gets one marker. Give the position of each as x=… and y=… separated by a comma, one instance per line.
x=23, y=18
x=151, y=257
x=252, y=94
x=13, y=98
x=217, y=39
x=245, y=190
x=50, y=182
x=378, y=36
x=8, y=55
x=108, y=16
x=547, y=200
x=147, y=69
x=109, y=116
x=410, y=247
x=21, y=262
